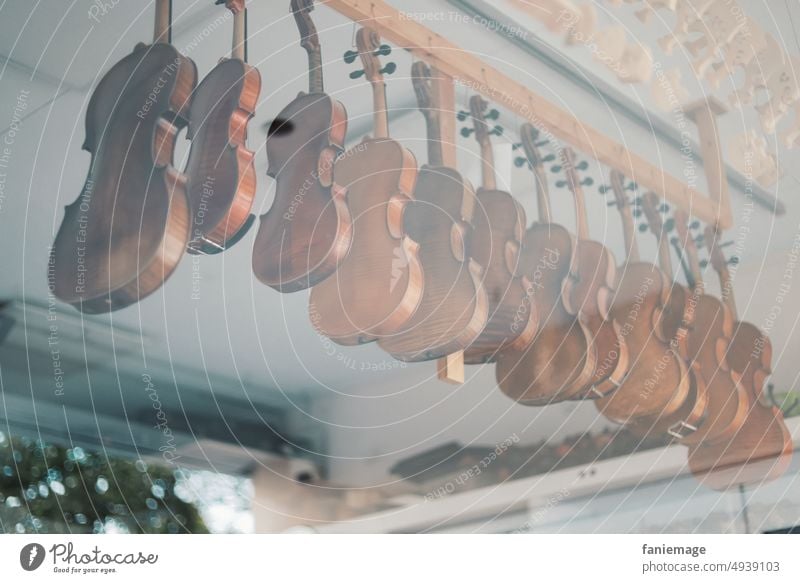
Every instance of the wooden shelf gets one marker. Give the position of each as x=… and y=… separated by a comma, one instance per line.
x=468, y=69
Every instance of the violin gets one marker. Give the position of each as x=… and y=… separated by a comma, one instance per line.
x=306, y=233
x=128, y=229
x=761, y=449
x=378, y=286
x=560, y=360
x=498, y=227
x=692, y=416
x=709, y=340
x=657, y=384
x=222, y=179
x=589, y=289
x=454, y=306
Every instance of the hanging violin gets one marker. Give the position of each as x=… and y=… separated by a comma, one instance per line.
x=560, y=361
x=761, y=449
x=378, y=286
x=454, y=306
x=127, y=230
x=222, y=179
x=306, y=233
x=498, y=227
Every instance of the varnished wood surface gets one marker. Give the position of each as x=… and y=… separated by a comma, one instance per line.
x=127, y=230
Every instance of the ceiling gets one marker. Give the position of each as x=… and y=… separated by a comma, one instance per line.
x=257, y=345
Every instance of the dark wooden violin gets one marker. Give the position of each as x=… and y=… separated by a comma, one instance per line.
x=306, y=233
x=498, y=227
x=222, y=179
x=378, y=286
x=454, y=306
x=657, y=384
x=761, y=449
x=708, y=343
x=559, y=362
x=677, y=320
x=128, y=228
x=589, y=290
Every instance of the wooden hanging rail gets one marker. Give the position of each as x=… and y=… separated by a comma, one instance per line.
x=470, y=70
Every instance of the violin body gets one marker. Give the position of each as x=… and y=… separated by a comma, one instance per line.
x=454, y=306
x=129, y=227
x=588, y=292
x=306, y=233
x=222, y=180
x=560, y=360
x=499, y=224
x=378, y=285
x=657, y=383
x=708, y=343
x=761, y=448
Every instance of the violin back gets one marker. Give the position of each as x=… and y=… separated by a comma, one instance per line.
x=559, y=360
x=378, y=285
x=454, y=307
x=128, y=229
x=306, y=233
x=499, y=224
x=220, y=172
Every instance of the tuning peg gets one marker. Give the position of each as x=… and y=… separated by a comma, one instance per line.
x=669, y=224
x=516, y=146
x=541, y=143
x=383, y=51
x=492, y=114
x=519, y=161
x=663, y=208
x=467, y=132
x=694, y=225
x=388, y=69
x=350, y=56
x=357, y=74
x=611, y=203
x=704, y=263
x=561, y=183
x=637, y=201
x=726, y=244
x=637, y=212
x=549, y=158
x=604, y=189
x=462, y=115
x=700, y=239
x=631, y=186
x=734, y=260
x=582, y=165
x=556, y=168
x=642, y=228
x=674, y=240
x=588, y=181
x=496, y=131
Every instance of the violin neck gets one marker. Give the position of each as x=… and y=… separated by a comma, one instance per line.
x=629, y=233
x=542, y=195
x=581, y=222
x=664, y=255
x=239, y=48
x=315, y=79
x=487, y=165
x=380, y=114
x=435, y=153
x=694, y=272
x=726, y=290
x=162, y=32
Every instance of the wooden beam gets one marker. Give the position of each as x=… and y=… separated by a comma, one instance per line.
x=449, y=368
x=704, y=113
x=469, y=70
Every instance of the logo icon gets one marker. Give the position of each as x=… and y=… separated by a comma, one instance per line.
x=31, y=556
